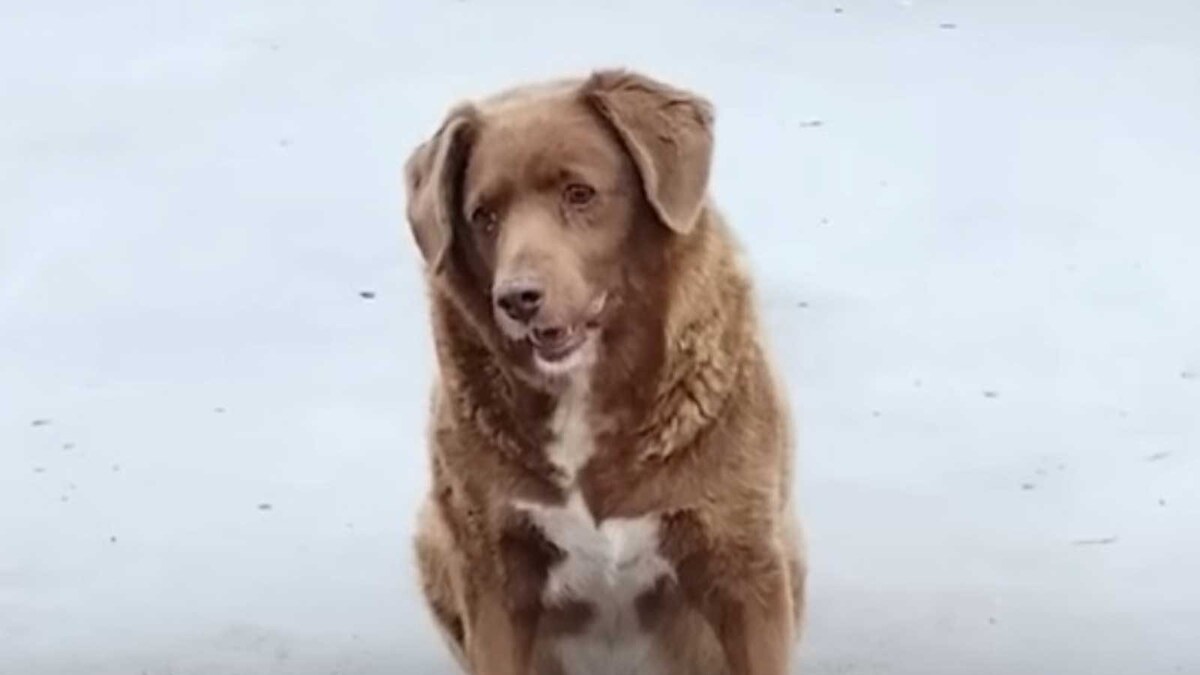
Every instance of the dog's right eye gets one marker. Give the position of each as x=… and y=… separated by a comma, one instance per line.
x=579, y=195
x=484, y=220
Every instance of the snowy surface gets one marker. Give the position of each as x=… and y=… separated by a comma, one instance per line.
x=976, y=228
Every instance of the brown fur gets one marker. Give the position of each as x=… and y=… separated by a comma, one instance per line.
x=690, y=425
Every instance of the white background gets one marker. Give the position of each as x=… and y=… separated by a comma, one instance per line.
x=975, y=227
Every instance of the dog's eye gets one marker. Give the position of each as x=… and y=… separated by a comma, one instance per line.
x=484, y=220
x=578, y=194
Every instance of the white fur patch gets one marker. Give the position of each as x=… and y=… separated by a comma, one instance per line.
x=573, y=442
x=607, y=565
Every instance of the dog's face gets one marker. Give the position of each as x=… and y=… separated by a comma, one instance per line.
x=550, y=199
x=546, y=200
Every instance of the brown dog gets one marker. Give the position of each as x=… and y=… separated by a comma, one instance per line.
x=610, y=452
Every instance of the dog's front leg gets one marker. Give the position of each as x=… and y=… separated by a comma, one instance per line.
x=508, y=603
x=500, y=640
x=747, y=598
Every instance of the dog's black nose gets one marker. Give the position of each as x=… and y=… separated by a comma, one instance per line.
x=520, y=300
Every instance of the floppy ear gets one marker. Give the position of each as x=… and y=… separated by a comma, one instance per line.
x=433, y=182
x=667, y=132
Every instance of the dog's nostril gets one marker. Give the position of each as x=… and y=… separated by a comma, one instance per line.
x=521, y=304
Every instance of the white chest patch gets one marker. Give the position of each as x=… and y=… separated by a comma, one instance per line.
x=607, y=565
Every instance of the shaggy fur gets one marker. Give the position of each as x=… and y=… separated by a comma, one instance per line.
x=685, y=429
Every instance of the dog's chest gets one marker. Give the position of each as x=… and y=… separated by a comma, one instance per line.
x=606, y=565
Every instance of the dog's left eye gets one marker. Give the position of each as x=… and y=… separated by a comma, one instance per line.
x=484, y=220
x=578, y=194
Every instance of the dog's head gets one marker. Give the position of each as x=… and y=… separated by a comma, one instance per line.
x=547, y=202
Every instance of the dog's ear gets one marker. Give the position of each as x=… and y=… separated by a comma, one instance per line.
x=433, y=178
x=669, y=135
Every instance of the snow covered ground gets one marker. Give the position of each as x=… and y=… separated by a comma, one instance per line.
x=976, y=227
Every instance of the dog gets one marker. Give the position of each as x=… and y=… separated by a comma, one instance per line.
x=610, y=450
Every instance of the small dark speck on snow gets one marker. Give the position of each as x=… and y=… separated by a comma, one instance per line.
x=285, y=142
x=218, y=410
x=875, y=413
x=837, y=10
x=811, y=124
x=367, y=295
x=1189, y=375
x=264, y=507
x=39, y=469
x=802, y=305
x=991, y=394
x=68, y=446
x=947, y=26
x=1162, y=502
x=112, y=540
x=1158, y=456
x=40, y=423
x=116, y=468
x=1101, y=541
x=1027, y=486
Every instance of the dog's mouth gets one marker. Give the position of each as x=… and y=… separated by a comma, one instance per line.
x=556, y=344
x=564, y=352
x=561, y=349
